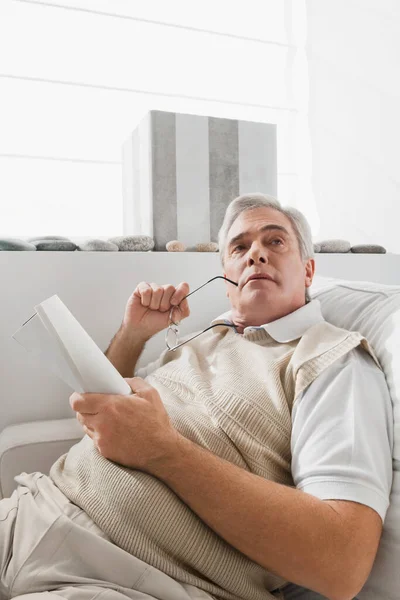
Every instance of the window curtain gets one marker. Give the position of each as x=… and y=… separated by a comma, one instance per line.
x=76, y=77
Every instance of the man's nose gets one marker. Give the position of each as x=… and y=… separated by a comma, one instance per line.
x=257, y=254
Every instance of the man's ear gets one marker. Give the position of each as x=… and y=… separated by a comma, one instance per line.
x=309, y=271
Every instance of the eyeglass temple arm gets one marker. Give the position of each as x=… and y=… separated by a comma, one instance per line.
x=173, y=323
x=209, y=281
x=197, y=334
x=199, y=288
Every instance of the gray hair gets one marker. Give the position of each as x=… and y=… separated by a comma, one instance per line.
x=252, y=201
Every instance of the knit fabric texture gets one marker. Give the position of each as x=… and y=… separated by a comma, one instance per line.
x=232, y=394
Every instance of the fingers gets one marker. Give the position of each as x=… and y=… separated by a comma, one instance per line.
x=181, y=291
x=162, y=297
x=85, y=423
x=184, y=308
x=182, y=305
x=87, y=429
x=144, y=292
x=88, y=403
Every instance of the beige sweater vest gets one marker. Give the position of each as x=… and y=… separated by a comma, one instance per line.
x=232, y=394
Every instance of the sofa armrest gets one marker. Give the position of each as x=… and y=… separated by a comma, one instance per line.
x=30, y=447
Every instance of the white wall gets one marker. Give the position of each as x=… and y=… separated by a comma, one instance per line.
x=66, y=112
x=353, y=50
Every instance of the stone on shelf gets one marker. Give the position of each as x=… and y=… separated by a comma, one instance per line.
x=8, y=244
x=339, y=246
x=55, y=245
x=209, y=247
x=368, y=249
x=133, y=243
x=98, y=246
x=175, y=246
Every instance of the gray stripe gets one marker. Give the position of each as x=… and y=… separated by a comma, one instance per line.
x=128, y=164
x=144, y=175
x=192, y=179
x=224, y=169
x=164, y=178
x=257, y=158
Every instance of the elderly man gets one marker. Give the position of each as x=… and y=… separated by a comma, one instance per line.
x=253, y=462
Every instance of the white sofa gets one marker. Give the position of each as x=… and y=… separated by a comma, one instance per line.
x=31, y=442
x=374, y=310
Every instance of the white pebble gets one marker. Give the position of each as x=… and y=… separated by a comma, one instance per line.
x=175, y=246
x=209, y=247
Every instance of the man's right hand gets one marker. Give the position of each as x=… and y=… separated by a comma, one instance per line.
x=148, y=308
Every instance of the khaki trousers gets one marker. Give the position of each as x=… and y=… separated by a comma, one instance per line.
x=50, y=549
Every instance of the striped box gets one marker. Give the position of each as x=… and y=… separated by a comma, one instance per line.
x=181, y=171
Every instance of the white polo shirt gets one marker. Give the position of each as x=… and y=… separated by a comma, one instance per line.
x=342, y=424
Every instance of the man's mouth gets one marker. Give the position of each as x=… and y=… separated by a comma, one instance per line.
x=258, y=276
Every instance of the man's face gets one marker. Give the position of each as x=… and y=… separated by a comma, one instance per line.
x=262, y=241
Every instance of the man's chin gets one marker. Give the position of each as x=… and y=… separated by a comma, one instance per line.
x=260, y=289
x=258, y=296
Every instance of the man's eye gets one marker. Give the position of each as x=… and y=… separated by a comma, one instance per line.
x=237, y=247
x=277, y=240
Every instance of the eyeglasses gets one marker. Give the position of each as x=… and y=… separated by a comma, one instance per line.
x=172, y=334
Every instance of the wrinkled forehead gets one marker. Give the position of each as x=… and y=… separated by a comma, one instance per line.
x=254, y=220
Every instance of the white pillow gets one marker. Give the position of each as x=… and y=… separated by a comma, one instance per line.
x=374, y=310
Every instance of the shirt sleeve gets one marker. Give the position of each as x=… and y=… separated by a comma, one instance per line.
x=342, y=434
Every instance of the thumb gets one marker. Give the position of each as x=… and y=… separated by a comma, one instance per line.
x=138, y=385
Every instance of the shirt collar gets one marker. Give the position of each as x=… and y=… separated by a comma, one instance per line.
x=288, y=328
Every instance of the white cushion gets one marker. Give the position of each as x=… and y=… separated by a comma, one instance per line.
x=374, y=310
